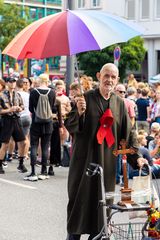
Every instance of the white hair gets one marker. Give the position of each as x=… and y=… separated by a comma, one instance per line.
x=108, y=66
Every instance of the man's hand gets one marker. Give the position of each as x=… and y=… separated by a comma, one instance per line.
x=13, y=109
x=19, y=109
x=81, y=105
x=141, y=162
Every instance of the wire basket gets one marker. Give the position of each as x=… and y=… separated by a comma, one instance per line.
x=130, y=231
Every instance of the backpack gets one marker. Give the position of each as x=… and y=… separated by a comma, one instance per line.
x=43, y=112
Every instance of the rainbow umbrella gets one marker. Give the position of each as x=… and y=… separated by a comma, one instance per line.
x=70, y=32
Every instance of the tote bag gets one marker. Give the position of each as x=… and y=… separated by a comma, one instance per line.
x=144, y=191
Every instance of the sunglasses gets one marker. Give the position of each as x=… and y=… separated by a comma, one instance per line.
x=121, y=91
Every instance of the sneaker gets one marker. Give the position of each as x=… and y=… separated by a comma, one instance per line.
x=38, y=163
x=15, y=155
x=9, y=159
x=43, y=176
x=21, y=168
x=5, y=164
x=57, y=165
x=50, y=171
x=2, y=170
x=31, y=177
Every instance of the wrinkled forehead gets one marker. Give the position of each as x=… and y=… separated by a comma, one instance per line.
x=110, y=69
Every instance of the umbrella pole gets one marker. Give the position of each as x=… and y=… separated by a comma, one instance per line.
x=1, y=65
x=77, y=71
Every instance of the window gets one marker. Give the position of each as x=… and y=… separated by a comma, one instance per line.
x=35, y=1
x=36, y=13
x=33, y=13
x=57, y=2
x=51, y=11
x=40, y=13
x=95, y=3
x=81, y=3
x=157, y=8
x=144, y=9
x=131, y=9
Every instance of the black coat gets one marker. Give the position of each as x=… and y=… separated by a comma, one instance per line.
x=84, y=216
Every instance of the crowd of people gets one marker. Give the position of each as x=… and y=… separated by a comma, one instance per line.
x=18, y=100
x=142, y=104
x=21, y=137
x=93, y=124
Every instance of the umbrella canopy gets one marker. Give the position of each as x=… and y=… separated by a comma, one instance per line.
x=155, y=79
x=70, y=32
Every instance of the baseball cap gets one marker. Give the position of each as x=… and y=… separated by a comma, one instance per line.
x=12, y=79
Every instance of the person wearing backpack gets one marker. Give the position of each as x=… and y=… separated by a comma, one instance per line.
x=41, y=102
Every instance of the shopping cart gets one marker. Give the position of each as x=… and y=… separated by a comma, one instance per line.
x=111, y=230
x=131, y=231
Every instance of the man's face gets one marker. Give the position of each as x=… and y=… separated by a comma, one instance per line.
x=59, y=89
x=108, y=78
x=26, y=84
x=121, y=91
x=11, y=85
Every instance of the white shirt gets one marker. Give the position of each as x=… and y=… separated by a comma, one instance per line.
x=25, y=98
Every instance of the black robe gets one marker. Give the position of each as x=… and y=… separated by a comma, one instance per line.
x=84, y=215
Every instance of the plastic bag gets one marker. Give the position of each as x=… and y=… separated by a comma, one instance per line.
x=144, y=191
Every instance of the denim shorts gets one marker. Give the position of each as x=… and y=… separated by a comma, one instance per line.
x=26, y=123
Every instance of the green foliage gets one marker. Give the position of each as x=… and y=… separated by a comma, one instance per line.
x=132, y=55
x=11, y=22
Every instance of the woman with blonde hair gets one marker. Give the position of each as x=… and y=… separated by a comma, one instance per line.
x=132, y=82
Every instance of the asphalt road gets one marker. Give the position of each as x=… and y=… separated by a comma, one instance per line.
x=35, y=210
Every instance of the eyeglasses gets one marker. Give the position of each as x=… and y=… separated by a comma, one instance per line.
x=121, y=91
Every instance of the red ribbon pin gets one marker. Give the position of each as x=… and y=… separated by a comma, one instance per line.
x=105, y=130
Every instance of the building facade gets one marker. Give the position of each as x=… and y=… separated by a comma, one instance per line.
x=37, y=10
x=143, y=12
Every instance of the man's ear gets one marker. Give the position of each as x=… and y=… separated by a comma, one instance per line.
x=98, y=75
x=117, y=80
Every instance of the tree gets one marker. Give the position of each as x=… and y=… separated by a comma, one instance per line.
x=132, y=55
x=11, y=22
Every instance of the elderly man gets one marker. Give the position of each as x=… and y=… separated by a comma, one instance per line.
x=99, y=114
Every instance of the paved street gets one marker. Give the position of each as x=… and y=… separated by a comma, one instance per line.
x=34, y=210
